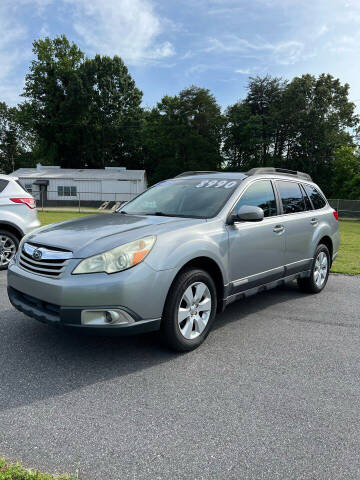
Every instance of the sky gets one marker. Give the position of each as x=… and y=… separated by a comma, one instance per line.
x=171, y=44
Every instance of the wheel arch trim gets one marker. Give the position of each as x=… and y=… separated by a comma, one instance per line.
x=11, y=228
x=212, y=267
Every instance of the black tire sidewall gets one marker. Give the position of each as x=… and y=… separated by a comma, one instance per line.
x=14, y=239
x=316, y=288
x=170, y=328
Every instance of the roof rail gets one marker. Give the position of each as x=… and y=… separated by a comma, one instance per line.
x=186, y=174
x=279, y=171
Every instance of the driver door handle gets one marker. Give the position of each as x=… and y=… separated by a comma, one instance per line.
x=279, y=229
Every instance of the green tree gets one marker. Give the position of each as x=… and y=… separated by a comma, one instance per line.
x=53, y=91
x=346, y=174
x=296, y=125
x=112, y=113
x=84, y=112
x=317, y=117
x=183, y=132
x=253, y=125
x=15, y=142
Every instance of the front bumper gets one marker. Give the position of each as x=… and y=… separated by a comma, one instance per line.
x=70, y=317
x=140, y=291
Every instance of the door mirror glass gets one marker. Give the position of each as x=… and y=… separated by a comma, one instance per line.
x=250, y=213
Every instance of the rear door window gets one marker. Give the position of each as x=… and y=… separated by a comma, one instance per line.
x=317, y=199
x=291, y=197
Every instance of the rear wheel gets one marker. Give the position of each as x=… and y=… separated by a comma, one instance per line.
x=190, y=310
x=319, y=272
x=8, y=248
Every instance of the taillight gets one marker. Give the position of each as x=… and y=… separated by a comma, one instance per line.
x=336, y=215
x=30, y=202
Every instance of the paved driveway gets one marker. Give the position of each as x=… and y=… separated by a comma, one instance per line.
x=274, y=393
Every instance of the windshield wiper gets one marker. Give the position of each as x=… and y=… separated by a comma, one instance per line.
x=163, y=214
x=159, y=214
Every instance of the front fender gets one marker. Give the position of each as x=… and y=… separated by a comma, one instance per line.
x=175, y=249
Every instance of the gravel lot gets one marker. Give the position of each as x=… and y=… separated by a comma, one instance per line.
x=274, y=393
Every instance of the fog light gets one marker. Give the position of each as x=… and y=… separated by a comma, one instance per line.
x=105, y=317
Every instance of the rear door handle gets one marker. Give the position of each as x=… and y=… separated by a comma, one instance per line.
x=278, y=229
x=314, y=221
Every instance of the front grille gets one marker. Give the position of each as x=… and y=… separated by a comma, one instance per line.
x=46, y=261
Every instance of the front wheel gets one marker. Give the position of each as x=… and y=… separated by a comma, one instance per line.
x=319, y=272
x=190, y=310
x=8, y=248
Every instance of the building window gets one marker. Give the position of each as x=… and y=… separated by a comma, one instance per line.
x=67, y=191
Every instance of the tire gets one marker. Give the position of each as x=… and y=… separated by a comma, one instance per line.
x=8, y=241
x=189, y=311
x=319, y=275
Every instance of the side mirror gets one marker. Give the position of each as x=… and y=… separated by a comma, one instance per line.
x=248, y=213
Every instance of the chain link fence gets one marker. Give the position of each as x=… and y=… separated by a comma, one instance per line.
x=346, y=208
x=90, y=202
x=80, y=201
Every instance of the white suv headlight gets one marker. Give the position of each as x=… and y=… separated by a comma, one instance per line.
x=117, y=259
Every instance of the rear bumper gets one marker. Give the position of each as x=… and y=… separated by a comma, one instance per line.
x=70, y=317
x=336, y=244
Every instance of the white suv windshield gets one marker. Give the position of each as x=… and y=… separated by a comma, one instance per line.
x=195, y=197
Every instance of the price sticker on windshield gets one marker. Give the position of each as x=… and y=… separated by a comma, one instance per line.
x=216, y=184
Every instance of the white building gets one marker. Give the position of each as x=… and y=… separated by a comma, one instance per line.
x=66, y=185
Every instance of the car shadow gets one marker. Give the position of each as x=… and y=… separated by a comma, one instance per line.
x=39, y=362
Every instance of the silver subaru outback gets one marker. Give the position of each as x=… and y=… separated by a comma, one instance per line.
x=177, y=254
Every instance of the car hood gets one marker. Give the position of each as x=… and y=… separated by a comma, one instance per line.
x=97, y=233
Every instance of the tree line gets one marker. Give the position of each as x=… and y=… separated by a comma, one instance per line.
x=80, y=112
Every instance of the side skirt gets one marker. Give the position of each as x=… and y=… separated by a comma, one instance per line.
x=263, y=287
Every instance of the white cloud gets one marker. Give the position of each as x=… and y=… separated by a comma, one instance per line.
x=128, y=28
x=322, y=30
x=12, y=54
x=284, y=53
x=243, y=71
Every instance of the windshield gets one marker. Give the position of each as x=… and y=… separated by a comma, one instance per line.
x=192, y=197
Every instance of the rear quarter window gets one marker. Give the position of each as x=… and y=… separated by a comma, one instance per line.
x=21, y=186
x=315, y=196
x=3, y=185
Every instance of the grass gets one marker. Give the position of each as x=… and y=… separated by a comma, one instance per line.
x=15, y=471
x=48, y=217
x=348, y=260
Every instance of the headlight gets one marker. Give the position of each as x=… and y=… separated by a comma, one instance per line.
x=117, y=259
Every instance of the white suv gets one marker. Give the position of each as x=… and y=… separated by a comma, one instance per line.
x=18, y=216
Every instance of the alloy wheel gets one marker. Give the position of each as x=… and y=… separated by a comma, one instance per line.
x=7, y=249
x=194, y=310
x=321, y=269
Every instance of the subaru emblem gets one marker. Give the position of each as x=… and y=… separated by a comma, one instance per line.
x=37, y=254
